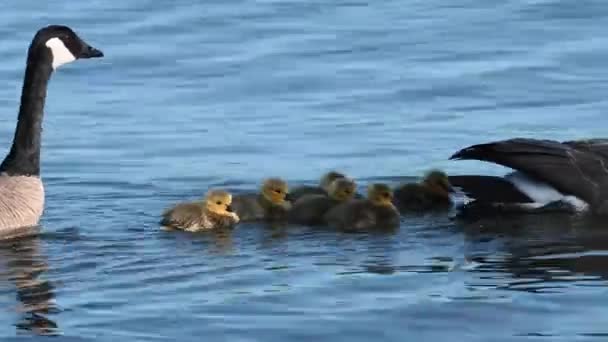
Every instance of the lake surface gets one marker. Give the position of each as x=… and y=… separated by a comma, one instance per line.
x=194, y=94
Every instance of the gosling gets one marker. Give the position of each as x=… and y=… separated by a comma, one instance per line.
x=213, y=212
x=321, y=189
x=375, y=212
x=270, y=204
x=433, y=193
x=310, y=209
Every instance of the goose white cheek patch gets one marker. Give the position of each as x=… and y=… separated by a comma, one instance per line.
x=61, y=54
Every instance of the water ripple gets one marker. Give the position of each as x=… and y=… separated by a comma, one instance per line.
x=193, y=95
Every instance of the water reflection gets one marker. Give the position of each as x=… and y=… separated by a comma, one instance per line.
x=539, y=253
x=26, y=265
x=221, y=241
x=273, y=237
x=218, y=241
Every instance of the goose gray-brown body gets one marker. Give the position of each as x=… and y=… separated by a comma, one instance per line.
x=21, y=202
x=21, y=189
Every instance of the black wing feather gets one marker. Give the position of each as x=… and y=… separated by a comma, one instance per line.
x=572, y=168
x=489, y=189
x=598, y=146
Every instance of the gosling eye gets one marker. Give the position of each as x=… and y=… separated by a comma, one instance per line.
x=278, y=191
x=386, y=195
x=218, y=202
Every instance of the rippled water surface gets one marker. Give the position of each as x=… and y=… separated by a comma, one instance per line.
x=193, y=94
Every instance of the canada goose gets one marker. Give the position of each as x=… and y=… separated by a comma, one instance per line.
x=432, y=193
x=212, y=213
x=376, y=211
x=568, y=176
x=270, y=204
x=21, y=190
x=310, y=209
x=321, y=189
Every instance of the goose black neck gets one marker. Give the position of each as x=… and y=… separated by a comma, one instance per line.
x=24, y=156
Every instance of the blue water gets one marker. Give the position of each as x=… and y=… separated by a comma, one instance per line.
x=193, y=94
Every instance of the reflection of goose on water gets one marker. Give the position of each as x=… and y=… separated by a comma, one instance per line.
x=560, y=249
x=25, y=265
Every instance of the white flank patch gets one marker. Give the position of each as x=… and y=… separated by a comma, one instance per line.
x=61, y=54
x=461, y=198
x=542, y=193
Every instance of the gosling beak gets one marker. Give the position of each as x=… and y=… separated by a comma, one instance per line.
x=229, y=209
x=90, y=52
x=288, y=197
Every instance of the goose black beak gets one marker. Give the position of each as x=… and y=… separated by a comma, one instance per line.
x=90, y=52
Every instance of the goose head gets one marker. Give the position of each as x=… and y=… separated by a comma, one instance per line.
x=218, y=202
x=380, y=194
x=437, y=182
x=342, y=189
x=275, y=190
x=59, y=45
x=328, y=178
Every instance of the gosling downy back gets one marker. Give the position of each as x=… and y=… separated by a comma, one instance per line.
x=310, y=209
x=374, y=212
x=21, y=190
x=321, y=189
x=432, y=193
x=213, y=212
x=269, y=204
